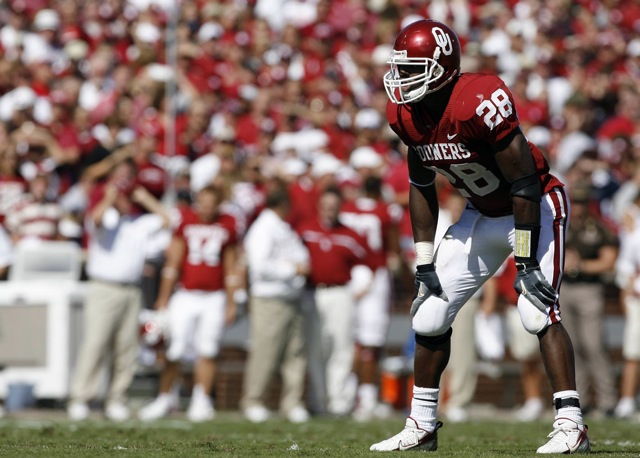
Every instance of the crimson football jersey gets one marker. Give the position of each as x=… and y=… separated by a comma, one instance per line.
x=373, y=220
x=202, y=267
x=479, y=120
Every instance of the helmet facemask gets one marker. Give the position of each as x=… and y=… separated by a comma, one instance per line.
x=423, y=71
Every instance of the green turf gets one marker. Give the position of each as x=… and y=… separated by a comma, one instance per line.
x=230, y=436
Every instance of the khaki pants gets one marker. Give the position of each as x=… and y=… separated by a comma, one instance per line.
x=111, y=325
x=276, y=345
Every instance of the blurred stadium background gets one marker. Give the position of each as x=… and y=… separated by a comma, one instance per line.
x=286, y=82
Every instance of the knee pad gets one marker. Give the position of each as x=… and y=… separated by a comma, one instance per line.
x=533, y=319
x=434, y=317
x=433, y=342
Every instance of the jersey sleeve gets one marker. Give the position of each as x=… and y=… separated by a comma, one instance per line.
x=393, y=116
x=179, y=231
x=231, y=225
x=485, y=111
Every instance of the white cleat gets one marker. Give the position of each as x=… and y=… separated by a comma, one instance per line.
x=200, y=411
x=78, y=411
x=257, y=414
x=531, y=410
x=383, y=411
x=626, y=408
x=298, y=415
x=410, y=438
x=364, y=413
x=117, y=411
x=567, y=438
x=378, y=411
x=159, y=408
x=457, y=414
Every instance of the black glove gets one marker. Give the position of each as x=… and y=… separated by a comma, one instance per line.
x=533, y=286
x=426, y=284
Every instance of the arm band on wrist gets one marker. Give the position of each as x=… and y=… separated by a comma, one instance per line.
x=169, y=272
x=240, y=296
x=526, y=243
x=424, y=253
x=232, y=280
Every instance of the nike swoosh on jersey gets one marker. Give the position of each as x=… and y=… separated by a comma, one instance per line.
x=451, y=137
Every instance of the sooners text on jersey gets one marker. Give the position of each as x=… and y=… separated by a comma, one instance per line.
x=479, y=120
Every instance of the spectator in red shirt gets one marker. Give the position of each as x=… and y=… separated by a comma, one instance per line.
x=12, y=185
x=34, y=216
x=148, y=175
x=396, y=184
x=306, y=190
x=6, y=253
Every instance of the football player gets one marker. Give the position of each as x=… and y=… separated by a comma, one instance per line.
x=202, y=261
x=377, y=222
x=465, y=127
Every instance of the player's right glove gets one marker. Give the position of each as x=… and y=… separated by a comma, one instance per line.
x=426, y=283
x=532, y=285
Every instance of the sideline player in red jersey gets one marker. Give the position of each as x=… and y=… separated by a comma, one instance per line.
x=465, y=126
x=201, y=259
x=375, y=220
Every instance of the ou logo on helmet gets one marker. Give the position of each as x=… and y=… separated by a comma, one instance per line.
x=443, y=40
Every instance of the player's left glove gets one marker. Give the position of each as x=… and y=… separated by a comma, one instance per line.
x=532, y=285
x=426, y=283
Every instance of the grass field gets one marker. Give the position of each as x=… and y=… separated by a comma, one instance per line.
x=230, y=436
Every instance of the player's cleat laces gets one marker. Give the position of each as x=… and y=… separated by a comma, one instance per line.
x=567, y=438
x=410, y=438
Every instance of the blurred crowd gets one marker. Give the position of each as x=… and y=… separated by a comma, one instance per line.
x=242, y=94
